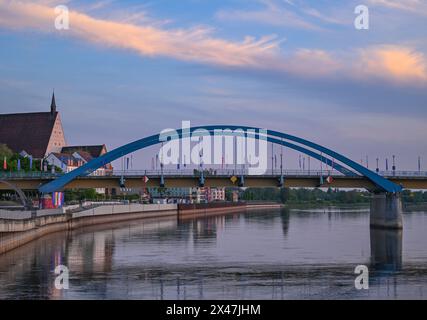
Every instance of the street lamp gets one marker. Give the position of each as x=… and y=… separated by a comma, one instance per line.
x=394, y=164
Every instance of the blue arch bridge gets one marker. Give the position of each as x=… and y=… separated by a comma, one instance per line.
x=385, y=204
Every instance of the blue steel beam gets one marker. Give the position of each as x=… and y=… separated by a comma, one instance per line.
x=382, y=183
x=91, y=166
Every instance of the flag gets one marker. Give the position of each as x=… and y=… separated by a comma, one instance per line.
x=146, y=179
x=58, y=199
x=31, y=162
x=4, y=164
x=19, y=164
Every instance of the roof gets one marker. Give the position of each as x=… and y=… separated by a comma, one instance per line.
x=27, y=131
x=95, y=151
x=85, y=155
x=65, y=158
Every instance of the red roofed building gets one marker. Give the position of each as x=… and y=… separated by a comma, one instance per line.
x=36, y=133
x=87, y=153
x=40, y=134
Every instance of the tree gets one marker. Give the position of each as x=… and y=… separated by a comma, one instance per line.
x=5, y=151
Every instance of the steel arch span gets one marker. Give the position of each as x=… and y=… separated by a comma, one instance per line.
x=304, y=146
x=21, y=194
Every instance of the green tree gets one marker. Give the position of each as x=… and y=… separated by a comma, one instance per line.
x=5, y=152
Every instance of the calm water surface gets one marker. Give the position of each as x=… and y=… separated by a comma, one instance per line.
x=298, y=254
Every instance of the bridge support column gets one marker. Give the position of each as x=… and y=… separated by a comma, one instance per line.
x=386, y=211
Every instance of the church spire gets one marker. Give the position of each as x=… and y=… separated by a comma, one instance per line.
x=53, y=104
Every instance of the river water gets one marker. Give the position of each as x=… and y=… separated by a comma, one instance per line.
x=276, y=254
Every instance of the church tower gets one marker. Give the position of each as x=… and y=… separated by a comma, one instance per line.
x=53, y=104
x=57, y=137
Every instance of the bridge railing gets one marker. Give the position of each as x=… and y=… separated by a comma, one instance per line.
x=28, y=174
x=173, y=172
x=223, y=172
x=404, y=173
x=5, y=175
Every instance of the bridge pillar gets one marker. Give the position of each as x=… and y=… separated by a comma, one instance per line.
x=386, y=211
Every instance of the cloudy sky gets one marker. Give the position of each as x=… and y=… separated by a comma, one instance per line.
x=127, y=69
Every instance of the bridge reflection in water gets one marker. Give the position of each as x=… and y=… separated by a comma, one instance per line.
x=386, y=249
x=308, y=253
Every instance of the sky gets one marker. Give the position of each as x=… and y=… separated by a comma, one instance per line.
x=127, y=69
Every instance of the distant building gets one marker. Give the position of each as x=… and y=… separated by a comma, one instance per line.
x=73, y=157
x=41, y=135
x=215, y=194
x=194, y=195
x=235, y=196
x=200, y=195
x=65, y=162
x=93, y=151
x=84, y=154
x=35, y=133
x=178, y=194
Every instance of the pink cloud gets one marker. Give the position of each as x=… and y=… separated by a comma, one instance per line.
x=196, y=44
x=399, y=64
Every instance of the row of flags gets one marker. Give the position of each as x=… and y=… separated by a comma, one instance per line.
x=155, y=161
x=58, y=199
x=18, y=164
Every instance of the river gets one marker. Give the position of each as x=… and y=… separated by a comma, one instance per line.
x=276, y=254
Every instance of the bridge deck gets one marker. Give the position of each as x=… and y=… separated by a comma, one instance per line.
x=409, y=180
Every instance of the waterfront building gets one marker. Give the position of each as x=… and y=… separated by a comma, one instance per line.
x=73, y=157
x=215, y=194
x=191, y=195
x=84, y=154
x=41, y=136
x=65, y=162
x=35, y=133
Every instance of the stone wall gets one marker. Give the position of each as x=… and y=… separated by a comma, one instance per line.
x=18, y=228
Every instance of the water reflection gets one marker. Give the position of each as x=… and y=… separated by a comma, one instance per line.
x=386, y=249
x=254, y=255
x=285, y=218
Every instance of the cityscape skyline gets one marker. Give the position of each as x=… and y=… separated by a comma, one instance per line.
x=212, y=156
